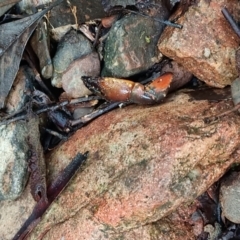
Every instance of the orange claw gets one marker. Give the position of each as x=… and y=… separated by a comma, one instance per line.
x=121, y=90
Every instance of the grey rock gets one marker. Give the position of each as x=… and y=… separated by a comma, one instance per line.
x=13, y=145
x=229, y=197
x=72, y=83
x=130, y=47
x=13, y=167
x=235, y=90
x=72, y=46
x=85, y=10
x=17, y=97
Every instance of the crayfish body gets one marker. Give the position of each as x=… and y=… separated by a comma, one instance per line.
x=121, y=90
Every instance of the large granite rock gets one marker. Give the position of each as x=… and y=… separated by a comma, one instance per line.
x=143, y=163
x=206, y=45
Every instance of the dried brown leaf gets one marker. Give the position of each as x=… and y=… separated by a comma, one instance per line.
x=13, y=38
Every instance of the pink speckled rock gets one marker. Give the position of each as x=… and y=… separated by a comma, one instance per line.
x=206, y=45
x=143, y=163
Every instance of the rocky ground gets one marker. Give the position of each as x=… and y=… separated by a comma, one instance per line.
x=162, y=171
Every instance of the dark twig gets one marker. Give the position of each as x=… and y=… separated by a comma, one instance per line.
x=27, y=57
x=56, y=134
x=89, y=117
x=97, y=35
x=231, y=21
x=53, y=191
x=6, y=120
x=168, y=23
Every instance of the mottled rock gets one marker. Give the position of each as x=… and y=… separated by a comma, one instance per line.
x=13, y=145
x=143, y=163
x=235, y=90
x=58, y=33
x=229, y=197
x=206, y=45
x=14, y=213
x=130, y=47
x=72, y=83
x=17, y=97
x=13, y=167
x=64, y=14
x=85, y=11
x=72, y=46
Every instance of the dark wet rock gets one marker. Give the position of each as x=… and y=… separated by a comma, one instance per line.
x=72, y=83
x=72, y=46
x=229, y=197
x=85, y=10
x=62, y=14
x=130, y=47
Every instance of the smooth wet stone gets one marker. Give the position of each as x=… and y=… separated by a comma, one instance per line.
x=72, y=83
x=71, y=47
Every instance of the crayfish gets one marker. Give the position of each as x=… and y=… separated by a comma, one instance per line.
x=121, y=90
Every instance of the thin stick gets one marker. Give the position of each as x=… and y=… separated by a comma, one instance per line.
x=168, y=23
x=231, y=21
x=89, y=117
x=47, y=108
x=56, y=134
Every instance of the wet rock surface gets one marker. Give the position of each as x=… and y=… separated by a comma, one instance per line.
x=206, y=45
x=13, y=169
x=130, y=47
x=135, y=173
x=144, y=162
x=13, y=145
x=229, y=197
x=72, y=46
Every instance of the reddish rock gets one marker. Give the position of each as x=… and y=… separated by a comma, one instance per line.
x=14, y=214
x=206, y=45
x=143, y=163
